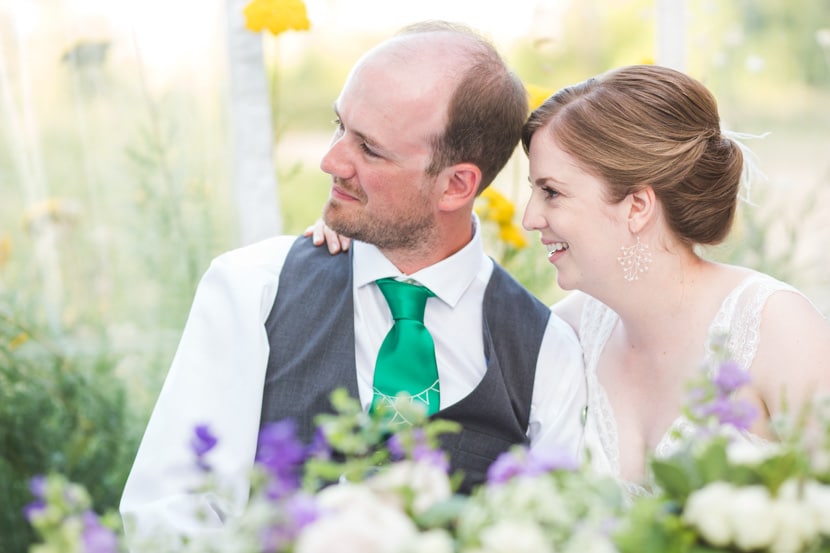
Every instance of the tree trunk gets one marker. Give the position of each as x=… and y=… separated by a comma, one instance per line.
x=252, y=135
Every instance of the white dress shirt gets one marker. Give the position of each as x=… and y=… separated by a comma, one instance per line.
x=218, y=372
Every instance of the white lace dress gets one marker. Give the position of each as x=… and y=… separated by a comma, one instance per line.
x=739, y=315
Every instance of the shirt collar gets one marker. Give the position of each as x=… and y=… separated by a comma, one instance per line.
x=448, y=279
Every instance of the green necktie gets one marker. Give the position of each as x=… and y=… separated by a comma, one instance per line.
x=406, y=360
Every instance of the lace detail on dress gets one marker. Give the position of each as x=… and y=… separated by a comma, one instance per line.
x=595, y=327
x=739, y=316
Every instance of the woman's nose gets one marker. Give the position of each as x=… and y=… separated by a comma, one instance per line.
x=532, y=218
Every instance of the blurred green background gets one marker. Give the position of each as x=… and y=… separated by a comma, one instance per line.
x=116, y=189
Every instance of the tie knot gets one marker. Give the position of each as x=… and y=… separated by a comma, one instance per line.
x=406, y=301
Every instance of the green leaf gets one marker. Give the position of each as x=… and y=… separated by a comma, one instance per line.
x=675, y=481
x=444, y=513
x=713, y=464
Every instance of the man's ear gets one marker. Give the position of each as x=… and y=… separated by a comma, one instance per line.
x=461, y=186
x=642, y=208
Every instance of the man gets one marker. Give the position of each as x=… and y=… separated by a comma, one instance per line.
x=425, y=120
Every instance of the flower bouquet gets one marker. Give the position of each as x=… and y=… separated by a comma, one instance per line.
x=368, y=485
x=723, y=489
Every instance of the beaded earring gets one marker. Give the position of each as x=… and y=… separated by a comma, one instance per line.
x=634, y=260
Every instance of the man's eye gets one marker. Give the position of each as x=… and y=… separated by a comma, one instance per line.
x=367, y=150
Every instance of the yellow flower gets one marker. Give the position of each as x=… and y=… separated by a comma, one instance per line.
x=277, y=16
x=536, y=95
x=511, y=234
x=51, y=211
x=18, y=340
x=5, y=249
x=496, y=208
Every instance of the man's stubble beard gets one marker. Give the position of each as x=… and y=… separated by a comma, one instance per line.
x=410, y=232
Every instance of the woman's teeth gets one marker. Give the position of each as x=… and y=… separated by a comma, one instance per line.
x=555, y=247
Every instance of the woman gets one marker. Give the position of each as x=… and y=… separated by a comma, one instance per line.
x=630, y=173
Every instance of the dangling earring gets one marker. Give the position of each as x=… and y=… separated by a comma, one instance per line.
x=634, y=260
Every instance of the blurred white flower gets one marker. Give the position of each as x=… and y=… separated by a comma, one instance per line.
x=823, y=38
x=355, y=520
x=428, y=482
x=709, y=510
x=753, y=518
x=515, y=536
x=751, y=453
x=817, y=496
x=589, y=540
x=796, y=525
x=432, y=541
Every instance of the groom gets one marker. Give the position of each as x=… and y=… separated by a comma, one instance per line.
x=425, y=121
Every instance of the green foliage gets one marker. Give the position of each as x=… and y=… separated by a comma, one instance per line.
x=360, y=438
x=62, y=410
x=650, y=526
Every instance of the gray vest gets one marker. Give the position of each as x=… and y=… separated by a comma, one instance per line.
x=311, y=335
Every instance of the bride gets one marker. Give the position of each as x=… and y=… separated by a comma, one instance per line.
x=629, y=173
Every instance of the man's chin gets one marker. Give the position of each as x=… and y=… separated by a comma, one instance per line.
x=333, y=220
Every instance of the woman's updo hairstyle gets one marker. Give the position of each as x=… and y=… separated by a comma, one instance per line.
x=650, y=125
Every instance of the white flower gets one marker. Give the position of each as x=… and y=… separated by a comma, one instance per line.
x=432, y=541
x=744, y=452
x=429, y=483
x=709, y=510
x=356, y=521
x=514, y=536
x=796, y=525
x=817, y=496
x=590, y=540
x=753, y=518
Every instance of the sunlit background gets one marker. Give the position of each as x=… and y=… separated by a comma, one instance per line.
x=118, y=181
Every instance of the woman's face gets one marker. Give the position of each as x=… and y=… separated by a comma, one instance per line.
x=581, y=231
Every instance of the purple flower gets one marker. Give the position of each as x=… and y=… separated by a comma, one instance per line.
x=201, y=443
x=299, y=511
x=319, y=447
x=302, y=510
x=96, y=537
x=435, y=457
x=506, y=466
x=540, y=461
x=739, y=413
x=37, y=485
x=282, y=454
x=396, y=447
x=420, y=449
x=527, y=462
x=33, y=509
x=730, y=377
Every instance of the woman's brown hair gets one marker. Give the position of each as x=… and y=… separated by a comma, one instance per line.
x=650, y=125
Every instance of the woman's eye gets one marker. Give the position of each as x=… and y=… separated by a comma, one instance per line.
x=549, y=193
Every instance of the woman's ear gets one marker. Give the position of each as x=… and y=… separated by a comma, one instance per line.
x=642, y=208
x=461, y=187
